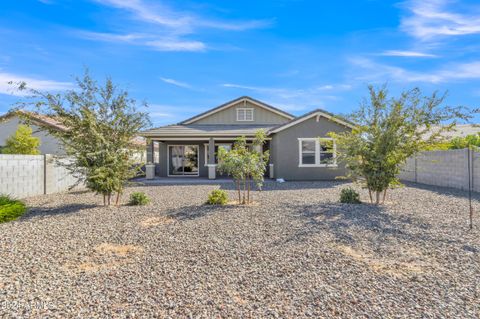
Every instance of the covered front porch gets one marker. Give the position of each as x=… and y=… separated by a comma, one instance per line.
x=191, y=157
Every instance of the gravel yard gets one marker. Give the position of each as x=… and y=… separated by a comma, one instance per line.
x=297, y=253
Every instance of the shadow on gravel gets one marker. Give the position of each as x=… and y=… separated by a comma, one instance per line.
x=347, y=221
x=447, y=191
x=193, y=212
x=269, y=185
x=52, y=211
x=298, y=185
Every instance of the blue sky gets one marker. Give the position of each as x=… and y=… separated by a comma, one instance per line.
x=184, y=57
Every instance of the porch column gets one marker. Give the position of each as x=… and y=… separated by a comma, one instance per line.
x=150, y=151
x=150, y=167
x=211, y=159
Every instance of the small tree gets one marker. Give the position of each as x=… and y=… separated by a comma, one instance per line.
x=245, y=165
x=100, y=124
x=22, y=142
x=389, y=131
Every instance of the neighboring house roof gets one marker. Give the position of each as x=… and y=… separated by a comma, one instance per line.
x=42, y=119
x=206, y=130
x=36, y=117
x=233, y=102
x=462, y=130
x=315, y=113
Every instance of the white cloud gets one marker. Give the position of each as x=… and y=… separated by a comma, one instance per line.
x=414, y=54
x=33, y=83
x=182, y=22
x=373, y=71
x=166, y=27
x=433, y=18
x=111, y=37
x=176, y=83
x=159, y=15
x=159, y=114
x=149, y=40
x=177, y=45
x=293, y=99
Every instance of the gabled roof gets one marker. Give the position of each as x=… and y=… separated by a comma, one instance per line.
x=309, y=115
x=233, y=102
x=205, y=130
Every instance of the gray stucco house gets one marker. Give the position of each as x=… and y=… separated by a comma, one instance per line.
x=300, y=148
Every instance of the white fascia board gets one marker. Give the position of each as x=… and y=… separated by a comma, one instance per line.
x=327, y=116
x=234, y=103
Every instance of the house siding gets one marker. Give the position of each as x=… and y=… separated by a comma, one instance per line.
x=284, y=151
x=229, y=116
x=48, y=143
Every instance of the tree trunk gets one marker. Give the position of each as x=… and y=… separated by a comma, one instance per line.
x=377, y=198
x=109, y=197
x=238, y=189
x=104, y=200
x=248, y=191
x=117, y=199
x=384, y=195
x=370, y=194
x=244, y=190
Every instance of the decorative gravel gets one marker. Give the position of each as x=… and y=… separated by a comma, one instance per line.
x=297, y=253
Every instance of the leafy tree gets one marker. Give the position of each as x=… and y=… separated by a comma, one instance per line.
x=100, y=123
x=471, y=140
x=389, y=131
x=245, y=164
x=22, y=142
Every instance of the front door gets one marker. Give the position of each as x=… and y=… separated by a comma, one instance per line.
x=183, y=160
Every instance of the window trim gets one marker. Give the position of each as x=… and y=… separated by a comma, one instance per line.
x=206, y=151
x=245, y=109
x=317, y=152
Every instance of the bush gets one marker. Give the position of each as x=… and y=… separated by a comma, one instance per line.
x=217, y=197
x=10, y=209
x=139, y=199
x=349, y=196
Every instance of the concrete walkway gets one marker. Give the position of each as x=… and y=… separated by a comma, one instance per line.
x=186, y=181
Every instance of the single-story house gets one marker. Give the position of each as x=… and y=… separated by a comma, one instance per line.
x=49, y=144
x=300, y=148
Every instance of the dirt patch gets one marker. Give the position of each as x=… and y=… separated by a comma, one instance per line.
x=155, y=221
x=118, y=250
x=385, y=265
x=236, y=297
x=105, y=256
x=321, y=218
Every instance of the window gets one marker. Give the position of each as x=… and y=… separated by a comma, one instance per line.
x=225, y=146
x=316, y=152
x=244, y=114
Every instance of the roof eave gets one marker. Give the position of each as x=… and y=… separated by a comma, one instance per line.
x=233, y=102
x=307, y=116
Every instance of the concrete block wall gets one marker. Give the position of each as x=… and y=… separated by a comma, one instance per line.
x=59, y=178
x=443, y=168
x=21, y=175
x=27, y=175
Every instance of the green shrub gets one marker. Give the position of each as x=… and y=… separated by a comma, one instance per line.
x=139, y=199
x=10, y=209
x=349, y=196
x=217, y=197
